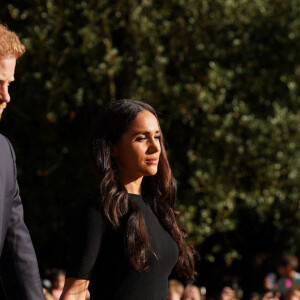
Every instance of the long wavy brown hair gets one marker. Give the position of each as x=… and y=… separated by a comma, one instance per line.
x=160, y=190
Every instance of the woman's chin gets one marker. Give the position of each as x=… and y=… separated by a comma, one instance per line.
x=150, y=172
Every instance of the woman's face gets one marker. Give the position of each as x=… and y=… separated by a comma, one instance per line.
x=137, y=153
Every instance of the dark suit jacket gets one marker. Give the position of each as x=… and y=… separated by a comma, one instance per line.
x=18, y=264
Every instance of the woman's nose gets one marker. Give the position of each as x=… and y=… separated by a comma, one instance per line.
x=155, y=145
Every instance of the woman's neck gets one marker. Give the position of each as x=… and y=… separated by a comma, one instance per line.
x=134, y=187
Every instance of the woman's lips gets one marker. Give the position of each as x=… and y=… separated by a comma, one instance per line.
x=152, y=161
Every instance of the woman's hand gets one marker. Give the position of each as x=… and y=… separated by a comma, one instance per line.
x=75, y=289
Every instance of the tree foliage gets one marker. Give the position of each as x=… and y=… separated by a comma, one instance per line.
x=223, y=74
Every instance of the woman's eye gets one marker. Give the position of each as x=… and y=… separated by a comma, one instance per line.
x=157, y=137
x=139, y=139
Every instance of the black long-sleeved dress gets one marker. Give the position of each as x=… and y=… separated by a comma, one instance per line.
x=97, y=254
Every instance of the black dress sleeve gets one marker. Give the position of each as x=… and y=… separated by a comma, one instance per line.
x=86, y=237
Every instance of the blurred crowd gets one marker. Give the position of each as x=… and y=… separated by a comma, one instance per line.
x=53, y=283
x=282, y=285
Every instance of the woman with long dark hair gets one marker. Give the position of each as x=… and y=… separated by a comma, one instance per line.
x=126, y=238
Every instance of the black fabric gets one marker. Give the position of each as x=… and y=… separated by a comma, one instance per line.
x=97, y=254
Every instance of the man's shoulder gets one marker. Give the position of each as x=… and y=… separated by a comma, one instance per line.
x=4, y=140
x=6, y=147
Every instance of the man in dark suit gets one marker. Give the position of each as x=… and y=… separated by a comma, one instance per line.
x=18, y=265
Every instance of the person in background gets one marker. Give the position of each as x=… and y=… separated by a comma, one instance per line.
x=227, y=293
x=293, y=295
x=47, y=286
x=270, y=284
x=173, y=296
x=270, y=296
x=290, y=278
x=254, y=296
x=58, y=281
x=191, y=292
x=18, y=264
x=176, y=289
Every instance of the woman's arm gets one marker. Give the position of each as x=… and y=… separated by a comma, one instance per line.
x=75, y=289
x=85, y=242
